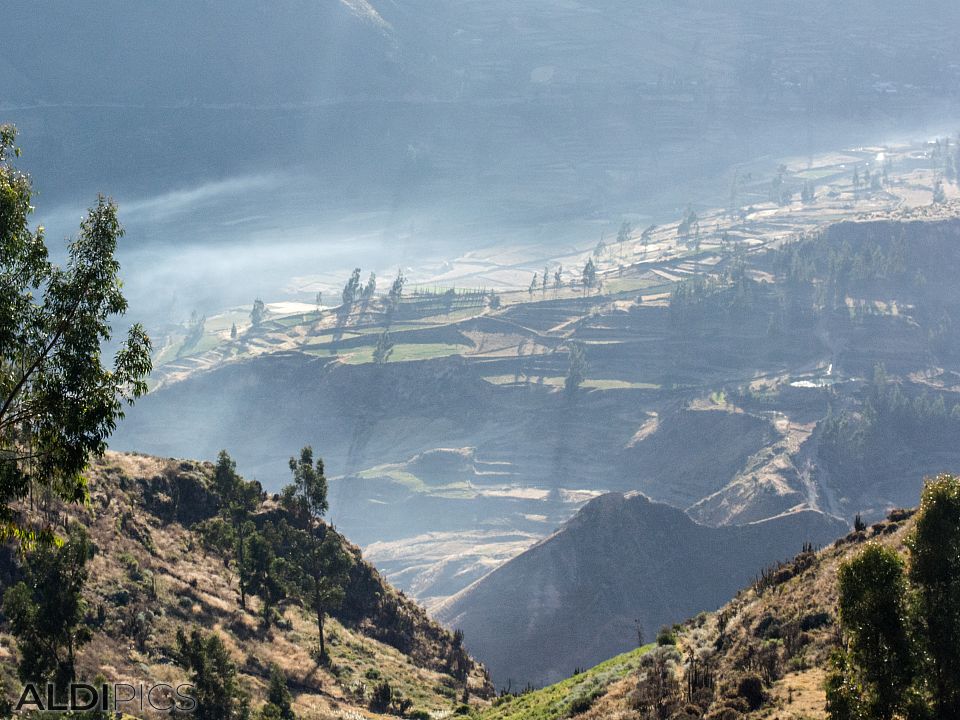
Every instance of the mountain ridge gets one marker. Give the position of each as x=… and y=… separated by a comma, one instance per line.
x=577, y=596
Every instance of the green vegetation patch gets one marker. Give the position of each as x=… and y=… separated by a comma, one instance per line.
x=395, y=474
x=555, y=702
x=589, y=384
x=405, y=352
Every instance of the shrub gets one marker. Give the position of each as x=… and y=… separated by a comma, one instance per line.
x=581, y=704
x=381, y=696
x=900, y=514
x=750, y=688
x=724, y=713
x=666, y=636
x=815, y=620
x=768, y=627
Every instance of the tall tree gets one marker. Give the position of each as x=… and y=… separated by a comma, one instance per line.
x=371, y=287
x=589, y=275
x=213, y=676
x=278, y=696
x=576, y=369
x=396, y=289
x=646, y=236
x=939, y=195
x=935, y=573
x=238, y=500
x=351, y=291
x=383, y=349
x=320, y=571
x=46, y=610
x=263, y=572
x=321, y=574
x=306, y=498
x=58, y=401
x=394, y=296
x=873, y=615
x=624, y=234
x=258, y=313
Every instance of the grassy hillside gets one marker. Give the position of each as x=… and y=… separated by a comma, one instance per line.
x=568, y=697
x=150, y=575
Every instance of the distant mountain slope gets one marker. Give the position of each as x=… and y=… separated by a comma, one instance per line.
x=298, y=51
x=574, y=598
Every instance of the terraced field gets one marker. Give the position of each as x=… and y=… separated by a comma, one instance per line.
x=720, y=416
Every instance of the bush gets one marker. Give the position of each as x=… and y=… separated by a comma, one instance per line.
x=768, y=627
x=444, y=691
x=815, y=620
x=666, y=636
x=725, y=713
x=900, y=514
x=580, y=705
x=750, y=688
x=381, y=697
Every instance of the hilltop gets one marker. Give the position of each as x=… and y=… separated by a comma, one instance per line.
x=151, y=575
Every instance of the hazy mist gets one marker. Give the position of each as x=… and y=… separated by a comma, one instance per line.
x=269, y=146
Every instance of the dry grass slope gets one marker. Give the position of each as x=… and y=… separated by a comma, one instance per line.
x=150, y=577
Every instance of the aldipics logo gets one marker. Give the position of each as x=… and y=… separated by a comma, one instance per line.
x=107, y=697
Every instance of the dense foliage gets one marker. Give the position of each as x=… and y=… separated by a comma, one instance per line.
x=46, y=609
x=901, y=625
x=58, y=402
x=859, y=443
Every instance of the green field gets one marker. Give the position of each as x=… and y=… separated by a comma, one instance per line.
x=557, y=381
x=614, y=286
x=553, y=702
x=393, y=473
x=406, y=351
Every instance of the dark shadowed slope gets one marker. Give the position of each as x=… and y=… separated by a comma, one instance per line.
x=574, y=599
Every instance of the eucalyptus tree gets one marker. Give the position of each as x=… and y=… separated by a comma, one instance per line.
x=59, y=400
